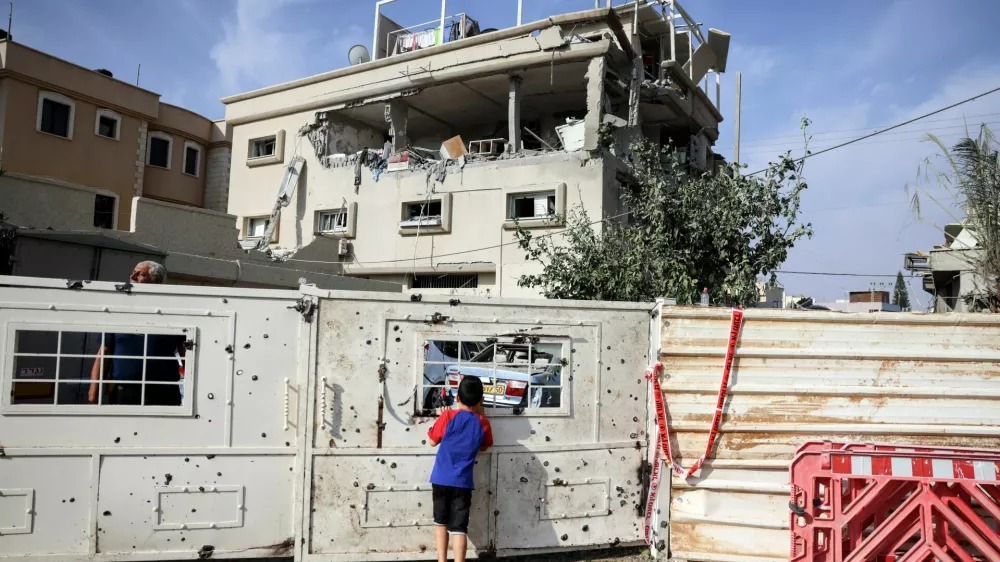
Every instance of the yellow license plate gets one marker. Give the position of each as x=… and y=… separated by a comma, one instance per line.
x=494, y=389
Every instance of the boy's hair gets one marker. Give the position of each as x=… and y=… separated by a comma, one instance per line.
x=470, y=391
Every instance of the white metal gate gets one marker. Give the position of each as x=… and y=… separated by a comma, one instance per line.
x=566, y=468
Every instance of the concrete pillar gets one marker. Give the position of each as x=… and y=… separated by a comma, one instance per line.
x=396, y=114
x=140, y=158
x=595, y=102
x=217, y=178
x=514, y=96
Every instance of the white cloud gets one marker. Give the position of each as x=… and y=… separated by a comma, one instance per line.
x=754, y=61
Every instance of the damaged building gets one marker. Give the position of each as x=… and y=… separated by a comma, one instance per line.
x=421, y=162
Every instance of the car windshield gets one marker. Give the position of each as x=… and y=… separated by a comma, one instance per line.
x=515, y=355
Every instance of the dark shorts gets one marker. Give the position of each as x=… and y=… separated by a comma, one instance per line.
x=451, y=508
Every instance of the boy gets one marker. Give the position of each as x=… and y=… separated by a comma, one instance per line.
x=462, y=434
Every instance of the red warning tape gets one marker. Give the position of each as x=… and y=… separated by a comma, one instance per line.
x=653, y=375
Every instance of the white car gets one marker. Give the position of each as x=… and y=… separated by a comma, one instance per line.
x=506, y=374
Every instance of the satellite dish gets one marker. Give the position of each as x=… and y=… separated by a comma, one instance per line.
x=358, y=55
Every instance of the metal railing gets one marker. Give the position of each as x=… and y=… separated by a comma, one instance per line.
x=457, y=19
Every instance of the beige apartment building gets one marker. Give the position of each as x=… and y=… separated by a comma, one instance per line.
x=100, y=174
x=420, y=163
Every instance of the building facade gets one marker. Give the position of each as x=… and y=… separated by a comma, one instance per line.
x=421, y=163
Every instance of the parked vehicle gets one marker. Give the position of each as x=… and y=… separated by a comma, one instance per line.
x=438, y=357
x=506, y=374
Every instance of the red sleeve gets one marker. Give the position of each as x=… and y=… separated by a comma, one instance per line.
x=436, y=433
x=487, y=434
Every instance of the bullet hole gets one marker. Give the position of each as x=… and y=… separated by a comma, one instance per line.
x=368, y=342
x=546, y=463
x=118, y=439
x=263, y=435
x=197, y=416
x=564, y=537
x=183, y=539
x=407, y=429
x=71, y=500
x=64, y=501
x=663, y=524
x=356, y=484
x=357, y=430
x=635, y=418
x=382, y=461
x=370, y=487
x=247, y=346
x=352, y=407
x=633, y=435
x=395, y=328
x=167, y=478
x=187, y=459
x=420, y=504
x=547, y=438
x=211, y=396
x=229, y=348
x=557, y=469
x=201, y=488
x=357, y=313
x=361, y=327
x=224, y=301
x=352, y=506
x=559, y=482
x=253, y=378
x=584, y=463
x=393, y=465
x=661, y=545
x=135, y=433
x=240, y=372
x=585, y=528
x=623, y=361
x=609, y=348
x=532, y=431
x=423, y=441
x=423, y=548
x=616, y=542
x=209, y=457
x=218, y=474
x=194, y=510
x=609, y=391
x=287, y=444
x=398, y=340
x=524, y=479
x=609, y=368
x=107, y=513
x=265, y=337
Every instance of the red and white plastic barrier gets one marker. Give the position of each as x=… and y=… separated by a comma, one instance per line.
x=663, y=446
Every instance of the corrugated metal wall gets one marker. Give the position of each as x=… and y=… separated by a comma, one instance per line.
x=800, y=376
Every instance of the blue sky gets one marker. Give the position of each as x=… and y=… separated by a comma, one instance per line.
x=848, y=66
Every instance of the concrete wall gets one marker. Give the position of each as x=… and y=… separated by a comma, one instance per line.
x=478, y=204
x=87, y=159
x=46, y=203
x=173, y=184
x=53, y=258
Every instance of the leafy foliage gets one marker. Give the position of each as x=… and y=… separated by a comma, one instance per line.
x=682, y=232
x=972, y=179
x=900, y=294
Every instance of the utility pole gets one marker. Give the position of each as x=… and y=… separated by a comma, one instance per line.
x=736, y=141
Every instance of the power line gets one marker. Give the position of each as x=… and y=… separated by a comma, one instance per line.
x=832, y=274
x=896, y=126
x=886, y=141
x=909, y=132
x=799, y=135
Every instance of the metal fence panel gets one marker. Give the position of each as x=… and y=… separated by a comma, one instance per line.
x=800, y=376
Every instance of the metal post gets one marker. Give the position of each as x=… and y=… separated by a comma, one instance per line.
x=519, y=7
x=736, y=141
x=444, y=8
x=690, y=62
x=673, y=32
x=10, y=19
x=137, y=71
x=718, y=90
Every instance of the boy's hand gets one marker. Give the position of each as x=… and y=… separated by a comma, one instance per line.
x=479, y=409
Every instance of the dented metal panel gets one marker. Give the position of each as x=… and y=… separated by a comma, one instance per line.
x=799, y=376
x=565, y=471
x=214, y=472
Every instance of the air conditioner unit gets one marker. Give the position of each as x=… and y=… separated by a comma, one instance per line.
x=343, y=247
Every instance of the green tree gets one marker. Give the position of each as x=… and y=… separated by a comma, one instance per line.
x=683, y=232
x=972, y=180
x=900, y=294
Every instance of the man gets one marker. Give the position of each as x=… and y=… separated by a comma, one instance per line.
x=161, y=352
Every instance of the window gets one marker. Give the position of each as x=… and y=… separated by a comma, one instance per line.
x=426, y=216
x=104, y=211
x=260, y=148
x=532, y=205
x=332, y=221
x=55, y=115
x=107, y=124
x=192, y=159
x=158, y=152
x=446, y=281
x=268, y=149
x=98, y=370
x=256, y=227
x=518, y=373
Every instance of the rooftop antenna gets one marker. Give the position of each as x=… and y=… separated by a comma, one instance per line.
x=358, y=54
x=10, y=18
x=137, y=71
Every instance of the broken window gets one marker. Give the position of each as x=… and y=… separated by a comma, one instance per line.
x=84, y=369
x=332, y=221
x=421, y=213
x=256, y=227
x=517, y=373
x=532, y=205
x=104, y=211
x=263, y=147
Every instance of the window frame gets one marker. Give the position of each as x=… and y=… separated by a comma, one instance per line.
x=411, y=227
x=186, y=409
x=114, y=214
x=107, y=113
x=565, y=378
x=349, y=231
x=197, y=162
x=60, y=99
x=245, y=235
x=170, y=148
x=279, y=150
x=551, y=221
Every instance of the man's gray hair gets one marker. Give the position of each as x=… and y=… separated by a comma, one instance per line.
x=157, y=273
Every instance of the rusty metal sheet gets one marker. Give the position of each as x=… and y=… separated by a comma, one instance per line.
x=800, y=376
